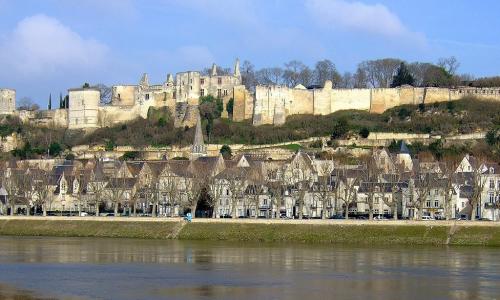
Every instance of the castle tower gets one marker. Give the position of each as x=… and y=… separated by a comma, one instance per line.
x=198, y=149
x=144, y=80
x=170, y=80
x=237, y=72
x=7, y=101
x=214, y=70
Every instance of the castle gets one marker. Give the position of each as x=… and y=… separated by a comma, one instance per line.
x=272, y=104
x=267, y=105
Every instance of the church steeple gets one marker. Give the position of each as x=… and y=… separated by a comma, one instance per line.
x=198, y=149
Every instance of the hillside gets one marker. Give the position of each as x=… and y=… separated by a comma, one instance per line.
x=458, y=117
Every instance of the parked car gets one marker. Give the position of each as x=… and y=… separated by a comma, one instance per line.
x=337, y=217
x=83, y=214
x=428, y=218
x=484, y=219
x=361, y=218
x=225, y=216
x=380, y=218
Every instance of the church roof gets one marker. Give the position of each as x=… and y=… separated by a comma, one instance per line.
x=404, y=149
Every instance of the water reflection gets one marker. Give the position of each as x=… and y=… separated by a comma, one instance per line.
x=136, y=269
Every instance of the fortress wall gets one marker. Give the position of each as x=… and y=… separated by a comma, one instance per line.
x=344, y=99
x=384, y=98
x=483, y=93
x=419, y=95
x=164, y=98
x=240, y=105
x=112, y=115
x=433, y=95
x=301, y=102
x=322, y=99
x=407, y=95
x=123, y=94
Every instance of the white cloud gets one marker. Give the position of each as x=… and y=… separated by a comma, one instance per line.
x=41, y=46
x=357, y=16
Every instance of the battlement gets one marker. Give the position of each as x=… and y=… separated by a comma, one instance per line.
x=272, y=104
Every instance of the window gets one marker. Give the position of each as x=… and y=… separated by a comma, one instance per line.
x=377, y=199
x=428, y=204
x=174, y=95
x=436, y=203
x=227, y=192
x=491, y=197
x=436, y=192
x=376, y=211
x=147, y=96
x=119, y=96
x=191, y=80
x=225, y=92
x=463, y=204
x=191, y=87
x=220, y=201
x=492, y=184
x=202, y=92
x=386, y=211
x=219, y=92
x=202, y=81
x=219, y=80
x=265, y=201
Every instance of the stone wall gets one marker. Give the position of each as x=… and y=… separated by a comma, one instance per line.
x=272, y=104
x=7, y=101
x=344, y=99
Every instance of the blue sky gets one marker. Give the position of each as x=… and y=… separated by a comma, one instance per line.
x=52, y=45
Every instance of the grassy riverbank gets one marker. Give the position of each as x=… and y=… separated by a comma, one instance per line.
x=311, y=232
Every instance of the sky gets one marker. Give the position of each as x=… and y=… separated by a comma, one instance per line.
x=48, y=46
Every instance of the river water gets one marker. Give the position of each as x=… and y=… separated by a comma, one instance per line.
x=86, y=268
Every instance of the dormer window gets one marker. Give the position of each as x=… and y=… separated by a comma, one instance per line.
x=219, y=80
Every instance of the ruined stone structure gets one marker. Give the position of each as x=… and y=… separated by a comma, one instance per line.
x=267, y=105
x=272, y=104
x=83, y=111
x=7, y=101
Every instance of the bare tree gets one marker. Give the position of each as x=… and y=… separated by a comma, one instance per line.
x=478, y=183
x=106, y=93
x=371, y=182
x=450, y=64
x=292, y=73
x=324, y=188
x=194, y=185
x=170, y=186
x=380, y=72
x=449, y=177
x=43, y=189
x=420, y=190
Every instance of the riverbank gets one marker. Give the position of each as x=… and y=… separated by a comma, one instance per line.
x=248, y=230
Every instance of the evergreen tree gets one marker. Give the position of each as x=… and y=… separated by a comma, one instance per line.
x=50, y=102
x=60, y=100
x=402, y=77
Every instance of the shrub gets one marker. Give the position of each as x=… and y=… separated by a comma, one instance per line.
x=226, y=152
x=130, y=155
x=364, y=132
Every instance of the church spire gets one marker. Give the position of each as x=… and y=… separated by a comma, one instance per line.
x=198, y=148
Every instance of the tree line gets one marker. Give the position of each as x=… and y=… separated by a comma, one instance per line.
x=378, y=73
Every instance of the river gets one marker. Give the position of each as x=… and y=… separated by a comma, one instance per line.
x=88, y=268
